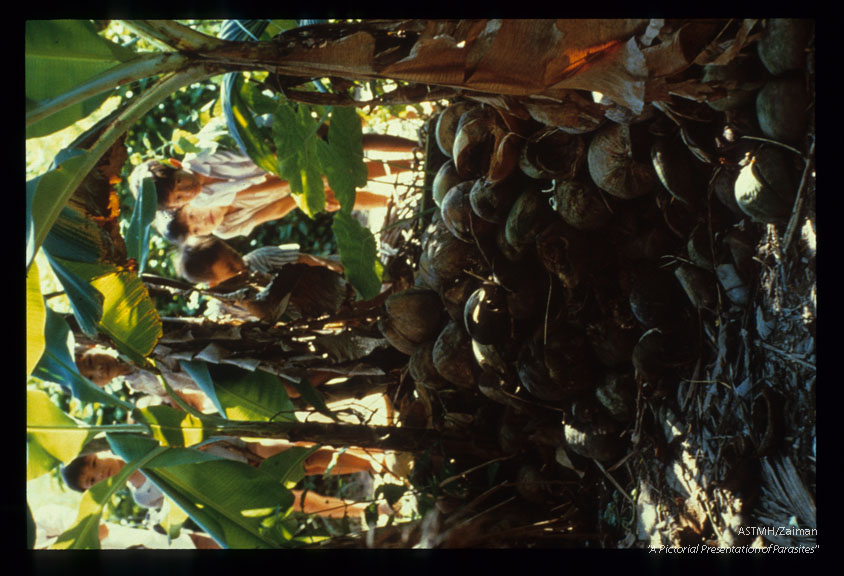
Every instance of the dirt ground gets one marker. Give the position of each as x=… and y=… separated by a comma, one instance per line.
x=735, y=463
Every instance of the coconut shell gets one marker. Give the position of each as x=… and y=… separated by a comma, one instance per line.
x=416, y=313
x=422, y=370
x=452, y=355
x=447, y=125
x=783, y=45
x=445, y=179
x=580, y=205
x=616, y=164
x=781, y=109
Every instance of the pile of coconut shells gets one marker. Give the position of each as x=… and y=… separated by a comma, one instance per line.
x=572, y=273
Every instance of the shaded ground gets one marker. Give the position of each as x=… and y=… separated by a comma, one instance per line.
x=734, y=463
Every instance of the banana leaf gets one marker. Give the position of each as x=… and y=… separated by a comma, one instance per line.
x=57, y=365
x=59, y=56
x=240, y=394
x=52, y=437
x=138, y=233
x=237, y=505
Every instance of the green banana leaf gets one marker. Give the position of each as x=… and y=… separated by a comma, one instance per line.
x=258, y=149
x=359, y=255
x=43, y=194
x=85, y=300
x=130, y=318
x=288, y=466
x=113, y=300
x=52, y=437
x=57, y=365
x=238, y=505
x=239, y=394
x=137, y=235
x=78, y=238
x=59, y=56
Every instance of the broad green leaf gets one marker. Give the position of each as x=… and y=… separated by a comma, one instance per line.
x=36, y=318
x=78, y=238
x=59, y=56
x=255, y=396
x=132, y=447
x=129, y=315
x=236, y=504
x=48, y=193
x=138, y=233
x=313, y=397
x=275, y=27
x=342, y=156
x=256, y=101
x=243, y=123
x=172, y=427
x=84, y=534
x=52, y=437
x=113, y=300
x=288, y=466
x=198, y=371
x=296, y=142
x=57, y=365
x=38, y=460
x=86, y=301
x=359, y=255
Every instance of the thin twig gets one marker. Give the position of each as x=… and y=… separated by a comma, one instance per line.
x=798, y=201
x=470, y=470
x=618, y=487
x=774, y=142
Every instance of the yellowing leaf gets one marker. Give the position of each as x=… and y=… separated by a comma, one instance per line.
x=129, y=314
x=173, y=427
x=36, y=318
x=51, y=435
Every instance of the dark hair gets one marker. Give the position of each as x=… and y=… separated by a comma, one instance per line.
x=198, y=256
x=72, y=472
x=172, y=227
x=163, y=176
